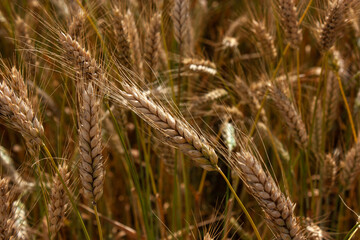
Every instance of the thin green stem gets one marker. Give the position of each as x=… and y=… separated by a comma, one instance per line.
x=98, y=221
x=240, y=203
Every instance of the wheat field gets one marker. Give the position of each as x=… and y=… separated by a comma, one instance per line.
x=180, y=119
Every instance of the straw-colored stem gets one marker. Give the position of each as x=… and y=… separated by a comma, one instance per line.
x=240, y=203
x=98, y=221
x=346, y=106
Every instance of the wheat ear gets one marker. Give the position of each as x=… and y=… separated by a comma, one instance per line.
x=78, y=56
x=245, y=93
x=122, y=42
x=177, y=132
x=334, y=21
x=91, y=166
x=19, y=115
x=288, y=17
x=265, y=41
x=152, y=47
x=134, y=42
x=351, y=166
x=180, y=17
x=77, y=24
x=279, y=209
x=291, y=117
x=329, y=172
x=58, y=200
x=6, y=212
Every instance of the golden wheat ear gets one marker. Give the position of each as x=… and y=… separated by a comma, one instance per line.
x=7, y=219
x=334, y=22
x=91, y=166
x=279, y=209
x=289, y=21
x=58, y=200
x=291, y=117
x=152, y=47
x=19, y=115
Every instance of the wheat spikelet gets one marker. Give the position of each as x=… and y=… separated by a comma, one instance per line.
x=245, y=93
x=91, y=166
x=350, y=167
x=279, y=209
x=152, y=47
x=134, y=42
x=290, y=116
x=19, y=115
x=6, y=212
x=177, y=132
x=86, y=66
x=265, y=41
x=180, y=17
x=199, y=66
x=58, y=200
x=288, y=17
x=122, y=44
x=77, y=24
x=18, y=84
x=334, y=21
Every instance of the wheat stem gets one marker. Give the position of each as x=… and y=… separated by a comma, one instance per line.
x=346, y=106
x=240, y=203
x=98, y=221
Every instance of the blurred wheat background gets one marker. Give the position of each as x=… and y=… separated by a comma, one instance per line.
x=179, y=119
